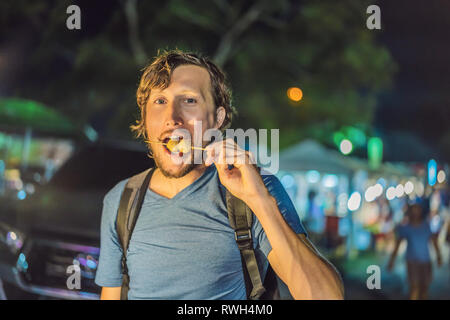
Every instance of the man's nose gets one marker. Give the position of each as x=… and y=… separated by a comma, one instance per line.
x=173, y=115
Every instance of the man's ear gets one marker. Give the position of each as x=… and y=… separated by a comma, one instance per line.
x=220, y=116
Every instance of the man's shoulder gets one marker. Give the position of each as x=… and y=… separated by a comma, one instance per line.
x=271, y=181
x=112, y=197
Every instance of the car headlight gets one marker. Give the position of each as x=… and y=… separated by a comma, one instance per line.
x=11, y=237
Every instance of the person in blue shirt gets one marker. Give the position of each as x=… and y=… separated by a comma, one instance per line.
x=182, y=246
x=418, y=234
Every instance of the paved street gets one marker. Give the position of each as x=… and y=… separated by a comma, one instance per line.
x=393, y=284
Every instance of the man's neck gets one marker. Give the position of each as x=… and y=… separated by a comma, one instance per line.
x=170, y=187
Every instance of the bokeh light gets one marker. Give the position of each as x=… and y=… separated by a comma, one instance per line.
x=441, y=176
x=354, y=202
x=399, y=191
x=346, y=146
x=295, y=94
x=390, y=193
x=409, y=187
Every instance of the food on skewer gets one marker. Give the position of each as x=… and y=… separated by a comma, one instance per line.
x=178, y=146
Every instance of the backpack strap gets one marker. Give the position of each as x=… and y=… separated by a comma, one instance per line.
x=129, y=208
x=241, y=218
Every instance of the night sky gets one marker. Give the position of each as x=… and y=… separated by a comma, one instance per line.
x=417, y=33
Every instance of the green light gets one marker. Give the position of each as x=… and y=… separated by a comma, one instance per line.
x=356, y=136
x=338, y=137
x=375, y=152
x=26, y=113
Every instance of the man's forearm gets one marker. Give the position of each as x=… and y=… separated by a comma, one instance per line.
x=307, y=275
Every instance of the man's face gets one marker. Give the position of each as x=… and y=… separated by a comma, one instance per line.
x=186, y=100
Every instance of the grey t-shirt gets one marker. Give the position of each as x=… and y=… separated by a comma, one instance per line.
x=184, y=247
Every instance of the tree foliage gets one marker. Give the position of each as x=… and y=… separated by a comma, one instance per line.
x=265, y=47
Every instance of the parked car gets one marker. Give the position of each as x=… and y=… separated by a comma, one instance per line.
x=59, y=225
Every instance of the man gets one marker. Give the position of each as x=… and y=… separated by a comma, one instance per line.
x=182, y=246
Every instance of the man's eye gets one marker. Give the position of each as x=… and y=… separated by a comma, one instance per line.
x=159, y=101
x=190, y=100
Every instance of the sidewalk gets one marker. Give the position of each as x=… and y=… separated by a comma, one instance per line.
x=394, y=284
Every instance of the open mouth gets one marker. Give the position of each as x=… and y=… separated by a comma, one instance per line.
x=176, y=145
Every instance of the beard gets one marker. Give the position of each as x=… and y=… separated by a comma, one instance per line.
x=184, y=170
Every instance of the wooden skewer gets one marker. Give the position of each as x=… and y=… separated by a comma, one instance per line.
x=158, y=142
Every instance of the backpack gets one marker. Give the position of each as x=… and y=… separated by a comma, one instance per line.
x=240, y=217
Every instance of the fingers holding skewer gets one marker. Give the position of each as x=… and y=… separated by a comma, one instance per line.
x=227, y=152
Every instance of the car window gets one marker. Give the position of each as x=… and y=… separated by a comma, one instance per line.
x=99, y=167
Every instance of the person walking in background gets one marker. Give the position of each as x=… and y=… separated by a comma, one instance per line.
x=418, y=233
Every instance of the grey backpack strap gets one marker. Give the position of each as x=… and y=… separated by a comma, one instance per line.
x=129, y=208
x=241, y=219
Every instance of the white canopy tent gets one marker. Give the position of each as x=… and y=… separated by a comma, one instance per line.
x=310, y=155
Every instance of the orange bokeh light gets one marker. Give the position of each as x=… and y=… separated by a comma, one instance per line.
x=295, y=94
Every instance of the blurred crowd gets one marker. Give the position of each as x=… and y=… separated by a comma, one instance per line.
x=413, y=233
